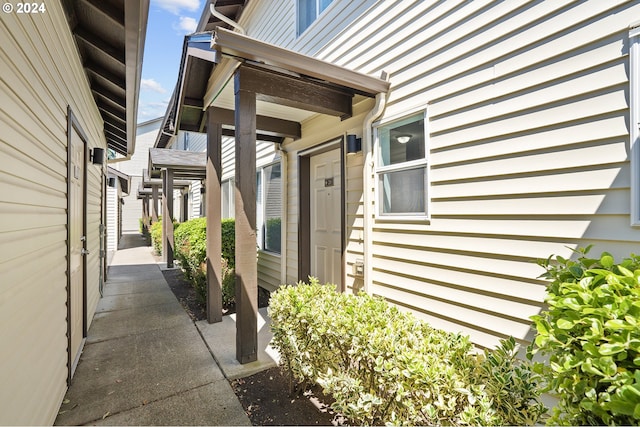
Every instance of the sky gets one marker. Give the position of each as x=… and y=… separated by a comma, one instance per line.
x=169, y=21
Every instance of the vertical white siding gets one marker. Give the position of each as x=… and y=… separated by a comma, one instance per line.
x=528, y=134
x=40, y=75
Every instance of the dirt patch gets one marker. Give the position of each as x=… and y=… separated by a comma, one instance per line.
x=188, y=298
x=266, y=400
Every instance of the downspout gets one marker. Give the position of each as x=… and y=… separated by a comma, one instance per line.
x=283, y=213
x=220, y=16
x=367, y=139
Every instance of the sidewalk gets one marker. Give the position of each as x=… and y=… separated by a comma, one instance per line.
x=144, y=361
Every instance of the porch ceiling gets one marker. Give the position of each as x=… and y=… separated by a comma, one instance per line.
x=110, y=36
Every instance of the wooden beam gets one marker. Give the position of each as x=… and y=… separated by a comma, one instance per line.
x=214, y=218
x=237, y=45
x=265, y=125
x=294, y=92
x=245, y=204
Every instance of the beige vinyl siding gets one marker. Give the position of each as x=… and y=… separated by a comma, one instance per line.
x=41, y=74
x=528, y=143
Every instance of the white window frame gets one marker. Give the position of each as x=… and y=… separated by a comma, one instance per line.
x=318, y=13
x=634, y=122
x=412, y=164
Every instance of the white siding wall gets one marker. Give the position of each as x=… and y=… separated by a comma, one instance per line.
x=40, y=75
x=528, y=123
x=112, y=222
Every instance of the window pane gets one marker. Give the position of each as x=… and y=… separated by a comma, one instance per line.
x=306, y=14
x=324, y=4
x=402, y=192
x=402, y=141
x=272, y=208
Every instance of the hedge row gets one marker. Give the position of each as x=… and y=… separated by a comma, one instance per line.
x=191, y=251
x=384, y=366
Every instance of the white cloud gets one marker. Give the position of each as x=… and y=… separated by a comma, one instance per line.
x=150, y=84
x=176, y=6
x=151, y=110
x=186, y=25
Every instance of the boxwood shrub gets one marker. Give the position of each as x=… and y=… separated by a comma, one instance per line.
x=384, y=366
x=591, y=335
x=191, y=251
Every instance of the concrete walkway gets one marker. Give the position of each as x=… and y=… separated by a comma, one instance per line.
x=144, y=361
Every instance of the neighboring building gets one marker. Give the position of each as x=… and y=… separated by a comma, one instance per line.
x=146, y=134
x=118, y=188
x=69, y=81
x=509, y=133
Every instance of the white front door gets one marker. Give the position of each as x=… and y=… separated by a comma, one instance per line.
x=77, y=244
x=326, y=217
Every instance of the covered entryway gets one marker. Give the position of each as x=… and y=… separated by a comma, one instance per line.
x=234, y=84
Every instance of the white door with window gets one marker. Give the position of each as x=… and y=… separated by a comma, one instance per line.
x=326, y=217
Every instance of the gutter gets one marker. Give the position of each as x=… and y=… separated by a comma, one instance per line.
x=367, y=138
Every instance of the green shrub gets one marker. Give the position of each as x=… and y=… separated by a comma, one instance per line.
x=591, y=333
x=156, y=235
x=229, y=241
x=191, y=251
x=385, y=366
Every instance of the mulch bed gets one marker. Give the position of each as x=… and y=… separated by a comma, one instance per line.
x=265, y=396
x=266, y=399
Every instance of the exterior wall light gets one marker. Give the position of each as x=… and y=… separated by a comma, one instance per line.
x=354, y=144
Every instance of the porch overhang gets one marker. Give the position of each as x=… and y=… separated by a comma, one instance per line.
x=189, y=165
x=110, y=38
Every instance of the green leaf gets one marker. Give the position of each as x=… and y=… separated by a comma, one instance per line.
x=565, y=324
x=612, y=348
x=607, y=261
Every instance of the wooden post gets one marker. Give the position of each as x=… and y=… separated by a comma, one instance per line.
x=214, y=218
x=246, y=253
x=154, y=205
x=167, y=216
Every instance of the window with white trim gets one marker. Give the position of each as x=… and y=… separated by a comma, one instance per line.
x=402, y=168
x=634, y=113
x=308, y=11
x=269, y=207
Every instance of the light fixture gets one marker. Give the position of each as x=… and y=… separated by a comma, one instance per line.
x=403, y=139
x=354, y=144
x=97, y=156
x=112, y=182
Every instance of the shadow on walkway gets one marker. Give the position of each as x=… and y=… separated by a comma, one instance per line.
x=144, y=361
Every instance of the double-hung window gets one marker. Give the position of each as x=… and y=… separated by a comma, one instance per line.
x=402, y=168
x=308, y=11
